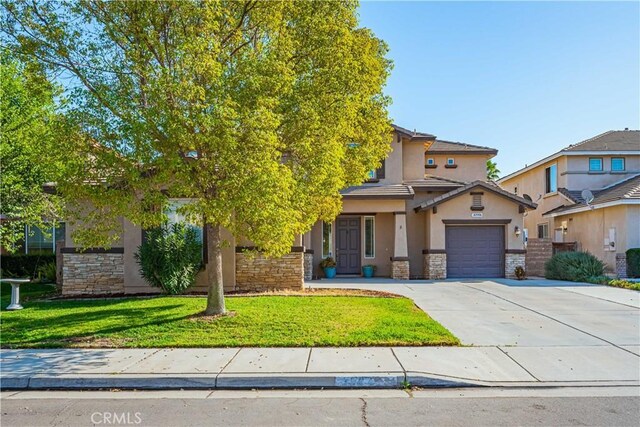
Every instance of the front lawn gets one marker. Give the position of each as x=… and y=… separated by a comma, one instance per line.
x=28, y=291
x=264, y=321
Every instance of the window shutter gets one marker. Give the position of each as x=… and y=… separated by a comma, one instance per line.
x=380, y=171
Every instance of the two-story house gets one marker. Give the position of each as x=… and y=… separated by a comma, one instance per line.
x=587, y=193
x=427, y=212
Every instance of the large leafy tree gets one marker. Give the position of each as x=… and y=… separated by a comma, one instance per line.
x=27, y=120
x=258, y=111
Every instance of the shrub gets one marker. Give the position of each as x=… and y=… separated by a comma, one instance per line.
x=633, y=262
x=24, y=265
x=621, y=283
x=170, y=257
x=47, y=273
x=520, y=273
x=327, y=262
x=573, y=266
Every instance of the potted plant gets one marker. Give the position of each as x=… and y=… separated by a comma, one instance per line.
x=520, y=273
x=368, y=270
x=329, y=266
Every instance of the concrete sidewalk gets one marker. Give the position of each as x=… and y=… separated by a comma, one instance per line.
x=370, y=367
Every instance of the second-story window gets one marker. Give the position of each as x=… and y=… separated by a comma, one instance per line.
x=431, y=162
x=372, y=174
x=451, y=161
x=551, y=179
x=595, y=164
x=617, y=164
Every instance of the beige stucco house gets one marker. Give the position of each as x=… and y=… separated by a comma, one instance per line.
x=605, y=170
x=427, y=212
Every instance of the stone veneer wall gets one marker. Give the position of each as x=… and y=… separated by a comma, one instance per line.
x=511, y=261
x=92, y=273
x=538, y=252
x=308, y=265
x=621, y=266
x=255, y=272
x=435, y=266
x=400, y=269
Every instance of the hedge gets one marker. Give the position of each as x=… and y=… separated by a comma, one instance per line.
x=24, y=265
x=633, y=262
x=574, y=267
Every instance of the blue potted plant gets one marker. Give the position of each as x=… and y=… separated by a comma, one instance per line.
x=368, y=270
x=329, y=266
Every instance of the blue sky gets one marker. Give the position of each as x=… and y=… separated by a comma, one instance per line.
x=527, y=78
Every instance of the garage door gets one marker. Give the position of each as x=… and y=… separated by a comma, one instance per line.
x=475, y=251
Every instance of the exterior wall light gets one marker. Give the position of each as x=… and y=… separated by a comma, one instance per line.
x=517, y=230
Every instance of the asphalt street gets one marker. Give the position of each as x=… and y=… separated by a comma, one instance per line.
x=605, y=406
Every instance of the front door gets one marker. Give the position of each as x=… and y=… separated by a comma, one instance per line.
x=348, y=245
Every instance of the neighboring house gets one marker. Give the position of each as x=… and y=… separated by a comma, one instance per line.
x=427, y=212
x=608, y=166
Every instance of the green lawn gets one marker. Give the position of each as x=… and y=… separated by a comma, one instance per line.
x=267, y=321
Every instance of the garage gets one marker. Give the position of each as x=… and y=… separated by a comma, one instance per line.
x=475, y=251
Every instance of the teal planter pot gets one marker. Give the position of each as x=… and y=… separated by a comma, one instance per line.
x=367, y=271
x=329, y=272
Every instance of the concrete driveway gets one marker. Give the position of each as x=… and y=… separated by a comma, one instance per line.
x=557, y=330
x=529, y=313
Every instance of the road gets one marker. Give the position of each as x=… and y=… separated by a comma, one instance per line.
x=597, y=406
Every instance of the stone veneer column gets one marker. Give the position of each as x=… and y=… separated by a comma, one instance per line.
x=621, y=266
x=513, y=259
x=255, y=272
x=400, y=259
x=435, y=264
x=97, y=272
x=308, y=264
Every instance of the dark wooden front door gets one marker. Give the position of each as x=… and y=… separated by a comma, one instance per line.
x=348, y=245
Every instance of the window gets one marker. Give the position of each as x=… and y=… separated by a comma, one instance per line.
x=451, y=161
x=595, y=164
x=372, y=174
x=381, y=170
x=175, y=216
x=543, y=230
x=551, y=179
x=431, y=162
x=326, y=239
x=38, y=241
x=369, y=237
x=617, y=164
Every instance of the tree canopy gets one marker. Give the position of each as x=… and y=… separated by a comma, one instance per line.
x=258, y=111
x=493, y=173
x=26, y=124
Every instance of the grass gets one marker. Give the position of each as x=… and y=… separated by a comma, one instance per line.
x=263, y=321
x=28, y=291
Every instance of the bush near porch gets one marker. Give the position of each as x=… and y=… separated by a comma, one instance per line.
x=337, y=319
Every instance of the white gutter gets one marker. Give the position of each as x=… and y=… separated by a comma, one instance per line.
x=593, y=207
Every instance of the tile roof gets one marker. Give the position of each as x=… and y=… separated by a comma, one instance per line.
x=627, y=189
x=613, y=140
x=475, y=184
x=412, y=134
x=432, y=182
x=392, y=191
x=450, y=147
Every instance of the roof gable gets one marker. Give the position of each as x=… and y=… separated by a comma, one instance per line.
x=471, y=186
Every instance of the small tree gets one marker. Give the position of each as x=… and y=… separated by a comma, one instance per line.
x=493, y=173
x=258, y=111
x=170, y=257
x=27, y=118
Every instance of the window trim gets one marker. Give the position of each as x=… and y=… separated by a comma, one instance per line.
x=373, y=237
x=538, y=228
x=624, y=164
x=330, y=254
x=548, y=189
x=601, y=164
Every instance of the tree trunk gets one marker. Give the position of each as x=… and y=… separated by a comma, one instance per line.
x=215, y=295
